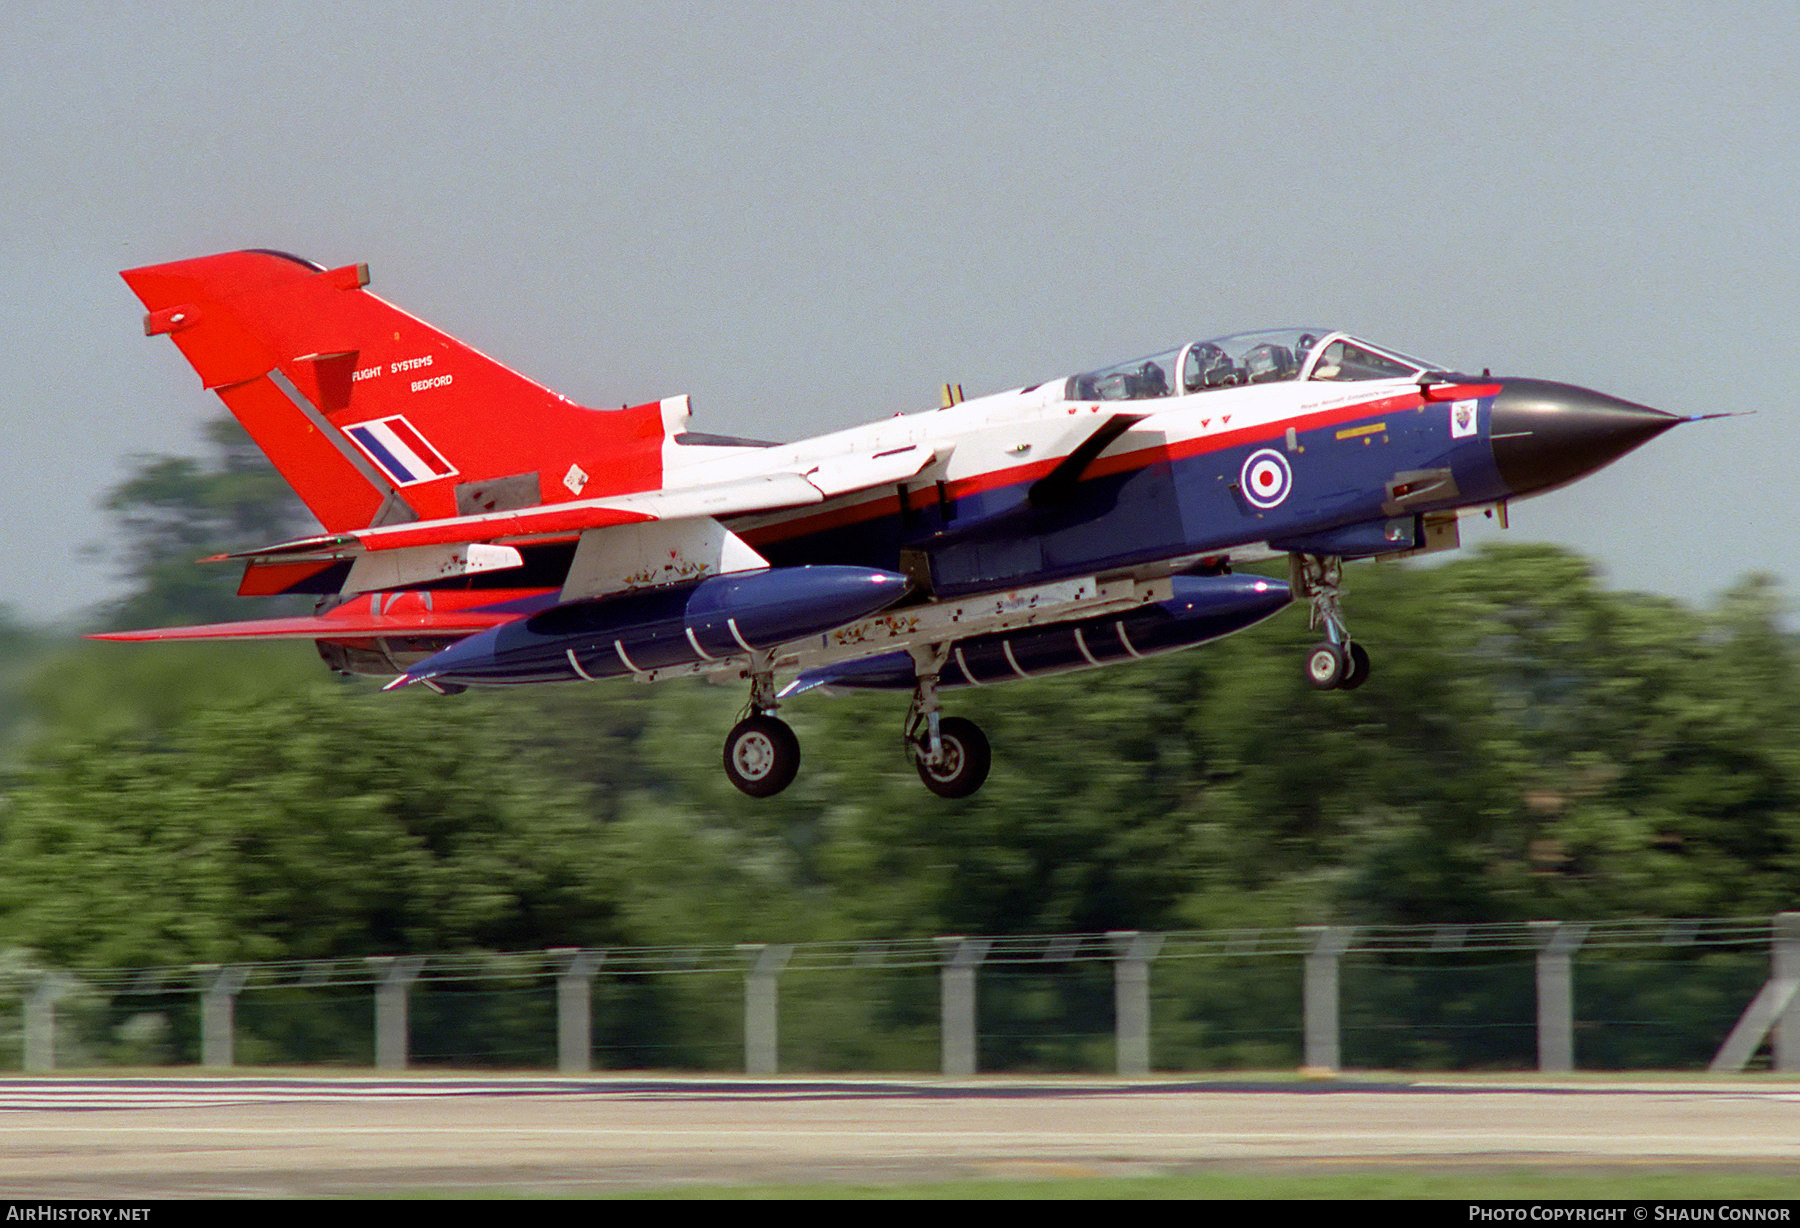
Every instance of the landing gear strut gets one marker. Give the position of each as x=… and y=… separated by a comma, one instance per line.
x=950, y=753
x=762, y=755
x=1335, y=663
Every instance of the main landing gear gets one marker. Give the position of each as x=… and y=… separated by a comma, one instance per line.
x=950, y=753
x=762, y=755
x=1335, y=663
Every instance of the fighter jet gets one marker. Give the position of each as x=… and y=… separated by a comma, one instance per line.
x=481, y=530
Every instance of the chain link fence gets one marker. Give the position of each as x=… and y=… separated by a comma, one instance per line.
x=1634, y=994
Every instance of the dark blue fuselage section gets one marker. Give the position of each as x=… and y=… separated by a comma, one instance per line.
x=1353, y=481
x=1185, y=499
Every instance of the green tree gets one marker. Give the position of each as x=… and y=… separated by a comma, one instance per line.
x=23, y=651
x=321, y=824
x=175, y=510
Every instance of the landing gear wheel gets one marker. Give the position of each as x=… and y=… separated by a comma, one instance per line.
x=963, y=762
x=1359, y=668
x=1327, y=665
x=762, y=755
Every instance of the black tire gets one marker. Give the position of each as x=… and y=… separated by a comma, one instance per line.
x=1327, y=664
x=762, y=755
x=966, y=759
x=1359, y=668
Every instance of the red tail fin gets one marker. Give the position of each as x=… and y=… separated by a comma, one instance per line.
x=372, y=415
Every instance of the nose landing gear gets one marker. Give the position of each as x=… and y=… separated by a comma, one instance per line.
x=1337, y=667
x=1336, y=663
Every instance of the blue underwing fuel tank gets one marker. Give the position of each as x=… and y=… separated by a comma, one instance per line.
x=688, y=624
x=1201, y=608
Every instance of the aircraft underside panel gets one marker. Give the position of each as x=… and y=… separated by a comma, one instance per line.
x=1202, y=608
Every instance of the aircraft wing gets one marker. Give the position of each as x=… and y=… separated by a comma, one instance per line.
x=737, y=496
x=682, y=521
x=768, y=493
x=341, y=623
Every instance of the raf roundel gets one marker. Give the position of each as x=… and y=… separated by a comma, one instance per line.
x=1265, y=479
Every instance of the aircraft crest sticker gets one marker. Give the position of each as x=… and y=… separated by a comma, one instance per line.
x=1462, y=419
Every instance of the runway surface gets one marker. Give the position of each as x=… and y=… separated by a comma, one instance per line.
x=307, y=1137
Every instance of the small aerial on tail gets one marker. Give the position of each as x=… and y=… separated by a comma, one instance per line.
x=478, y=529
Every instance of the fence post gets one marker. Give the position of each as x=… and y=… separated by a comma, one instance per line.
x=397, y=975
x=218, y=1001
x=1784, y=965
x=761, y=1011
x=1131, y=997
x=961, y=957
x=40, y=1021
x=575, y=1007
x=1771, y=1012
x=1557, y=944
x=1319, y=994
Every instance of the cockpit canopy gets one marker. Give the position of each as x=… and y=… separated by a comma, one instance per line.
x=1244, y=358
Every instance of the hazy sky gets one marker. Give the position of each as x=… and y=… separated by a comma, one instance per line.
x=809, y=215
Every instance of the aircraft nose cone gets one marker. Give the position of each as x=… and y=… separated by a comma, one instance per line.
x=1545, y=435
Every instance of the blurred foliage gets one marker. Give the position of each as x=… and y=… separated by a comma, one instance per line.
x=23, y=652
x=309, y=826
x=175, y=510
x=1530, y=745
